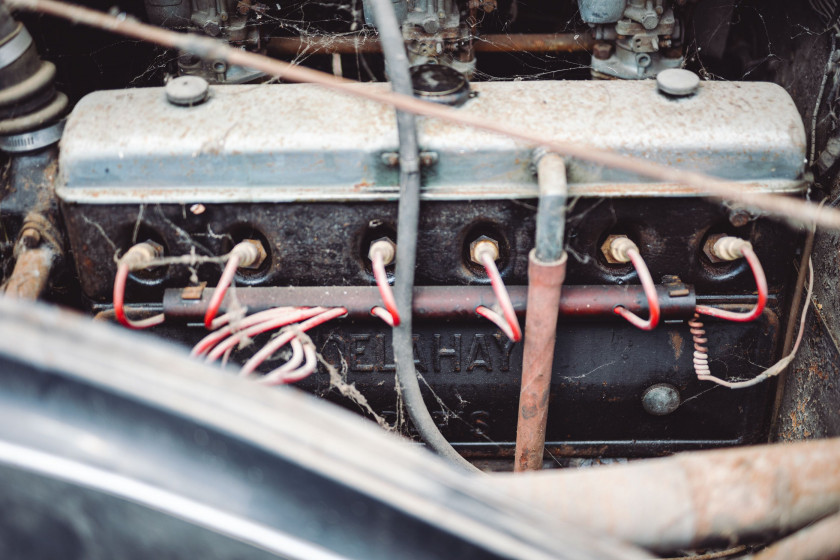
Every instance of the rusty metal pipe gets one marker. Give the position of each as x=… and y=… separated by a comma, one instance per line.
x=31, y=274
x=820, y=541
x=501, y=43
x=691, y=500
x=546, y=273
x=436, y=302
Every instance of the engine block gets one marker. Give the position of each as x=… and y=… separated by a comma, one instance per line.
x=313, y=176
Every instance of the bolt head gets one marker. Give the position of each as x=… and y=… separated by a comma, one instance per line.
x=606, y=249
x=212, y=28
x=661, y=399
x=739, y=218
x=709, y=247
x=386, y=246
x=261, y=254
x=482, y=244
x=602, y=51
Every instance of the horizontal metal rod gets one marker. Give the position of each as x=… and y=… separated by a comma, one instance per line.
x=693, y=499
x=434, y=302
x=369, y=44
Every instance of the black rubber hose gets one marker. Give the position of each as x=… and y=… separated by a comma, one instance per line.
x=393, y=48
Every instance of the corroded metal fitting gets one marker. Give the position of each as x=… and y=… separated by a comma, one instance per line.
x=251, y=253
x=385, y=247
x=726, y=248
x=483, y=245
x=140, y=255
x=616, y=249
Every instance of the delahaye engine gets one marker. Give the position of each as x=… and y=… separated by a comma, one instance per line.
x=262, y=224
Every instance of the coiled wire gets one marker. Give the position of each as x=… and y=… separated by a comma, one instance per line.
x=701, y=351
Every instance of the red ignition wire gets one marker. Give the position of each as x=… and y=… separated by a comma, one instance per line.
x=509, y=323
x=283, y=339
x=760, y=281
x=244, y=253
x=212, y=339
x=650, y=292
x=381, y=254
x=280, y=320
x=134, y=259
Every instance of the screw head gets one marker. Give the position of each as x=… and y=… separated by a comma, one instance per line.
x=661, y=399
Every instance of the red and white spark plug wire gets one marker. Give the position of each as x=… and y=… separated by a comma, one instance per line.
x=246, y=254
x=138, y=257
x=622, y=249
x=728, y=249
x=485, y=252
x=381, y=254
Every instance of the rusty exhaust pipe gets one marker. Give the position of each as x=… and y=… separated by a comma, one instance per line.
x=697, y=499
x=546, y=273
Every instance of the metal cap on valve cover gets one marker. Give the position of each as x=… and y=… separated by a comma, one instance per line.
x=441, y=84
x=187, y=90
x=677, y=82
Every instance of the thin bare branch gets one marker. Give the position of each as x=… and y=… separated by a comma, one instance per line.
x=794, y=210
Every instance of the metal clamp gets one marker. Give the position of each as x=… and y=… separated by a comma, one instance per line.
x=14, y=48
x=33, y=140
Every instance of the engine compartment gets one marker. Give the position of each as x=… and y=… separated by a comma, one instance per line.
x=311, y=178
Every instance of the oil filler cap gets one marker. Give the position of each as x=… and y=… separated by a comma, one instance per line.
x=187, y=90
x=440, y=84
x=677, y=82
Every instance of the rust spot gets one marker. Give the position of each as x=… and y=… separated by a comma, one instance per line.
x=677, y=343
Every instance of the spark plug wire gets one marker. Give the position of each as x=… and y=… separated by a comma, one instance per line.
x=381, y=254
x=244, y=254
x=730, y=249
x=138, y=257
x=701, y=356
x=264, y=353
x=280, y=320
x=622, y=249
x=486, y=252
x=280, y=316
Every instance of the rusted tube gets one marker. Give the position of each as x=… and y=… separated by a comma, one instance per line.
x=690, y=500
x=342, y=44
x=31, y=274
x=544, y=285
x=820, y=541
x=546, y=273
x=437, y=302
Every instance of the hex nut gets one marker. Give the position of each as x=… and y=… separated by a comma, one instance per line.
x=261, y=254
x=709, y=247
x=602, y=51
x=387, y=247
x=608, y=250
x=482, y=244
